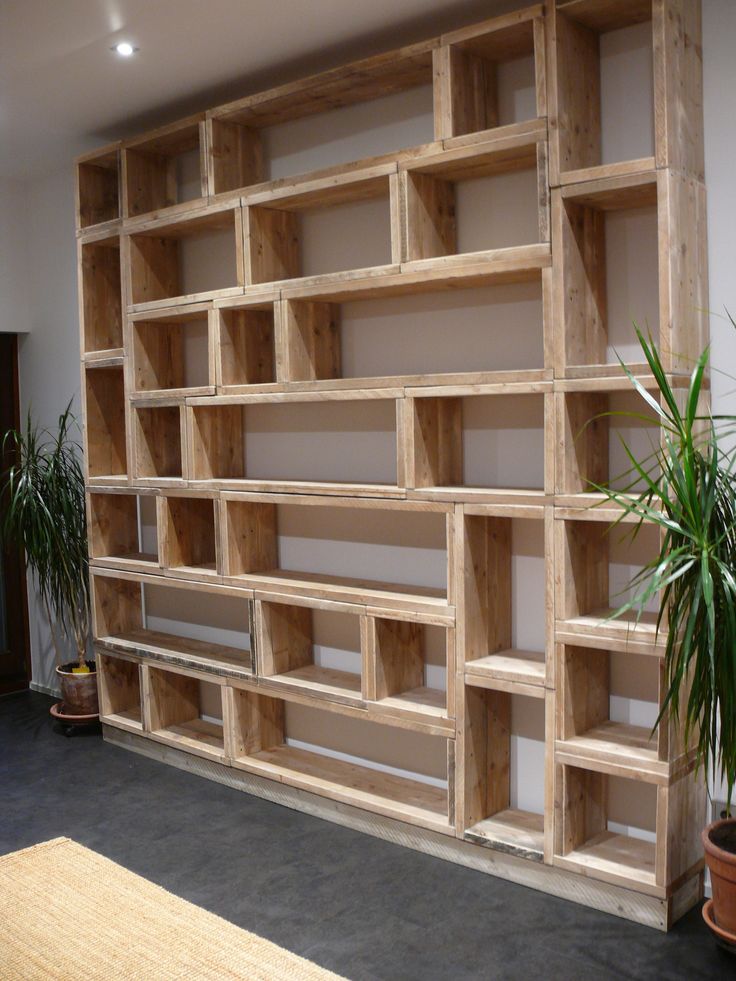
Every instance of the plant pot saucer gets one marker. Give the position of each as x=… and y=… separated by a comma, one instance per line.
x=72, y=722
x=723, y=937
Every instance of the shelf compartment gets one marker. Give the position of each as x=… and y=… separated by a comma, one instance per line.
x=270, y=545
x=122, y=530
x=506, y=796
x=459, y=440
x=189, y=531
x=165, y=167
x=460, y=201
x=491, y=74
x=293, y=441
x=172, y=352
x=177, y=615
x=120, y=692
x=98, y=192
x=291, y=743
x=409, y=667
x=245, y=342
x=663, y=42
x=101, y=304
x=177, y=712
x=300, y=647
x=188, y=259
x=244, y=135
x=105, y=429
x=320, y=227
x=158, y=439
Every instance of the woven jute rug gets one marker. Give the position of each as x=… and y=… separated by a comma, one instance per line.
x=69, y=914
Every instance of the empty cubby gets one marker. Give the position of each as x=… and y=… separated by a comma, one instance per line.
x=491, y=74
x=607, y=236
x=341, y=226
x=607, y=826
x=507, y=796
x=105, y=422
x=609, y=704
x=185, y=712
x=189, y=533
x=379, y=106
x=349, y=759
x=407, y=665
x=171, y=352
x=479, y=441
x=165, y=168
x=348, y=550
x=122, y=530
x=605, y=56
x=593, y=430
x=193, y=257
x=596, y=563
x=309, y=648
x=246, y=343
x=272, y=442
x=119, y=691
x=158, y=442
x=506, y=596
x=98, y=192
x=102, y=319
x=489, y=196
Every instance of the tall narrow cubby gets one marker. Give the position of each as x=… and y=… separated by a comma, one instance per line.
x=351, y=382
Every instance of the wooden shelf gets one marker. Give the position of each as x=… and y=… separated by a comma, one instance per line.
x=172, y=353
x=617, y=858
x=98, y=192
x=321, y=681
x=120, y=693
x=516, y=832
x=101, y=307
x=196, y=735
x=183, y=651
x=105, y=429
x=510, y=666
x=163, y=169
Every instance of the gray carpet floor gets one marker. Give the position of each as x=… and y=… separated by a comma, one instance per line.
x=364, y=908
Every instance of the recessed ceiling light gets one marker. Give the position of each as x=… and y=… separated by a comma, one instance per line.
x=124, y=48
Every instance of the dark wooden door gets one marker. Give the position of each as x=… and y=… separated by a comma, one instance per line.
x=14, y=649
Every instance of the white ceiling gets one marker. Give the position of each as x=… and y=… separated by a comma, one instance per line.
x=63, y=91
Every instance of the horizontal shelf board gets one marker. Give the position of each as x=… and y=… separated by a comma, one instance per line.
x=108, y=358
x=480, y=159
x=481, y=495
x=182, y=651
x=102, y=229
x=185, y=299
x=318, y=395
x=607, y=16
x=513, y=831
x=170, y=212
x=525, y=382
x=420, y=701
x=385, y=793
x=525, y=667
x=165, y=394
x=326, y=280
x=366, y=591
x=286, y=487
x=616, y=858
x=317, y=680
x=313, y=192
x=134, y=561
x=129, y=720
x=609, y=370
x=359, y=503
x=107, y=480
x=536, y=128
x=622, y=628
x=622, y=746
x=514, y=264
x=197, y=735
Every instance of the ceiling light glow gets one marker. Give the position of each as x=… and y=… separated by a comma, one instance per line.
x=125, y=49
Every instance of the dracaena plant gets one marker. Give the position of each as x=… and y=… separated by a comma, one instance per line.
x=687, y=488
x=44, y=511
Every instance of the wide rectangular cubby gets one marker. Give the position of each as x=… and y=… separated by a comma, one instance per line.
x=611, y=272
x=203, y=626
x=100, y=306
x=292, y=441
x=158, y=441
x=505, y=595
x=590, y=85
x=119, y=692
x=322, y=226
x=627, y=831
x=346, y=757
x=105, y=429
x=184, y=711
x=486, y=196
x=194, y=256
x=122, y=529
x=479, y=441
x=189, y=531
x=245, y=333
x=165, y=168
x=172, y=351
x=98, y=186
x=505, y=788
x=271, y=542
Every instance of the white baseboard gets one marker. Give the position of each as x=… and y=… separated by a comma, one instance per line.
x=34, y=686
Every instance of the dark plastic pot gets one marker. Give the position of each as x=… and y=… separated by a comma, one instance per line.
x=78, y=691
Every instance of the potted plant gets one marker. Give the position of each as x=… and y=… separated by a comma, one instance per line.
x=687, y=488
x=44, y=511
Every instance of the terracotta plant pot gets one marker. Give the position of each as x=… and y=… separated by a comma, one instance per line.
x=719, y=840
x=78, y=691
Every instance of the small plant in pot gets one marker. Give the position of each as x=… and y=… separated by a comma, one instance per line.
x=44, y=512
x=687, y=488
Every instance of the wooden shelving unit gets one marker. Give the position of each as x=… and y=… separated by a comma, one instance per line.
x=403, y=624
